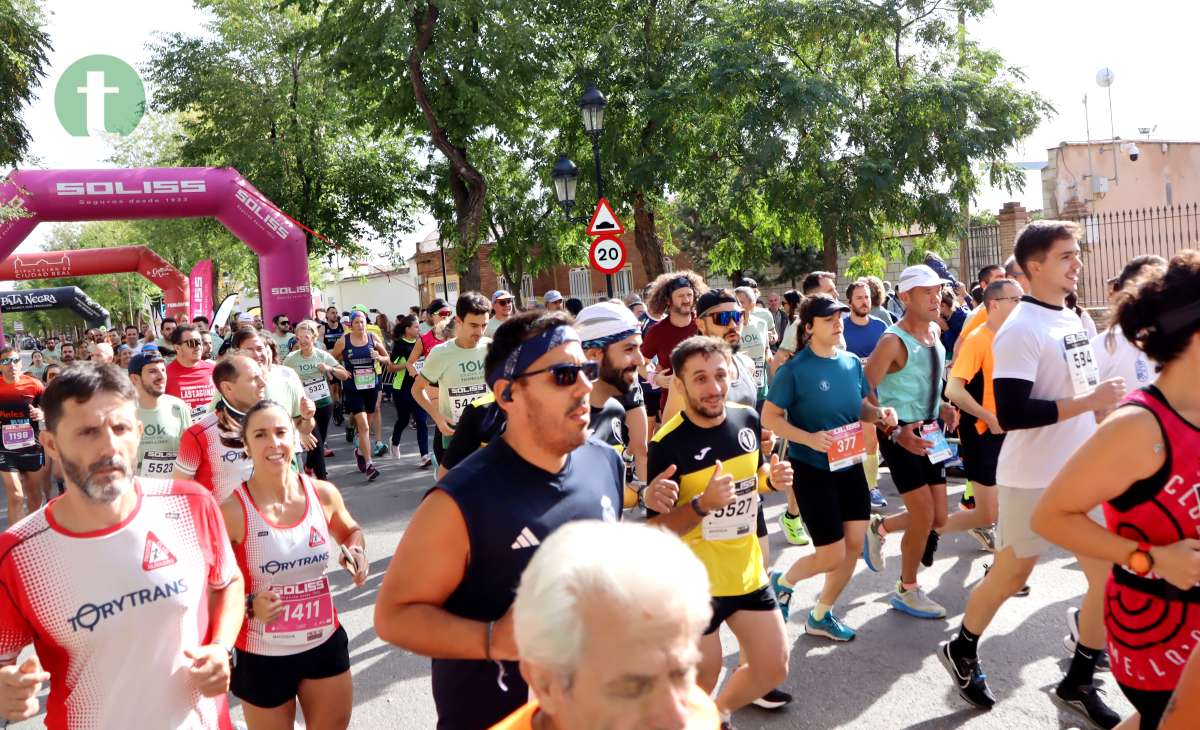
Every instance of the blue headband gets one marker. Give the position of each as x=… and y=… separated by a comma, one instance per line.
x=529, y=351
x=604, y=342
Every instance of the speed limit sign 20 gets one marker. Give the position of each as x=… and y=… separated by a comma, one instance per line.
x=607, y=255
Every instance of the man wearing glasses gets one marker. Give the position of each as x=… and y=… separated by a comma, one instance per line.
x=502, y=309
x=189, y=376
x=283, y=335
x=449, y=588
x=22, y=461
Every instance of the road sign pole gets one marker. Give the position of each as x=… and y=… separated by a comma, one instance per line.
x=600, y=195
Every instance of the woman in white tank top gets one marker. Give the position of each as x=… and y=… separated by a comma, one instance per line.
x=285, y=527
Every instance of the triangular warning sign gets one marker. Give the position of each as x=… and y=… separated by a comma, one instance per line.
x=155, y=555
x=604, y=221
x=314, y=538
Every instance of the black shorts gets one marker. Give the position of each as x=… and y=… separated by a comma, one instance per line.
x=1149, y=704
x=909, y=471
x=725, y=606
x=26, y=460
x=980, y=455
x=359, y=401
x=269, y=681
x=829, y=498
x=762, y=520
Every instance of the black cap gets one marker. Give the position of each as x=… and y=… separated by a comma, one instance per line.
x=712, y=298
x=747, y=281
x=437, y=305
x=149, y=354
x=824, y=305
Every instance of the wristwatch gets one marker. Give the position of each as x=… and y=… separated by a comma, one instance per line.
x=1140, y=561
x=696, y=506
x=640, y=488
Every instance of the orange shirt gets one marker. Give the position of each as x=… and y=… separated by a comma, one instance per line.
x=702, y=714
x=974, y=321
x=975, y=355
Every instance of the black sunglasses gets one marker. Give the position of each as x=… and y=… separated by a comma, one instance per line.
x=724, y=319
x=567, y=373
x=191, y=343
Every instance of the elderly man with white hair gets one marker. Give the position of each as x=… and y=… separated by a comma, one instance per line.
x=586, y=670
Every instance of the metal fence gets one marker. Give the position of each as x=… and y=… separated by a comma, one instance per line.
x=983, y=248
x=1112, y=239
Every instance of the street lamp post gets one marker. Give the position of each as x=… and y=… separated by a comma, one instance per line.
x=566, y=175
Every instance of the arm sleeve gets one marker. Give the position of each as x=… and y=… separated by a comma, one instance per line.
x=1016, y=410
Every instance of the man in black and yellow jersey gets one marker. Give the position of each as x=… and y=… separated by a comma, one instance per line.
x=711, y=451
x=482, y=421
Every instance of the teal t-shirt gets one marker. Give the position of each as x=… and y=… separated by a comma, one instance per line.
x=819, y=394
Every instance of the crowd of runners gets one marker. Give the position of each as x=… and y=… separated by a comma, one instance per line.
x=601, y=461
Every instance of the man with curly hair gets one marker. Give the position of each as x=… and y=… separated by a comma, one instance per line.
x=672, y=297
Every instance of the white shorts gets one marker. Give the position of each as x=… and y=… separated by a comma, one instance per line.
x=1015, y=517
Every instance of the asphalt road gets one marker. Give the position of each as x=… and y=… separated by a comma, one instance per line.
x=889, y=677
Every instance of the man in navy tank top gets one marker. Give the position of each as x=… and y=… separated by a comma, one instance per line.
x=449, y=590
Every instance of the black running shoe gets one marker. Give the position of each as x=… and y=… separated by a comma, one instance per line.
x=372, y=473
x=931, y=546
x=968, y=676
x=1086, y=700
x=773, y=700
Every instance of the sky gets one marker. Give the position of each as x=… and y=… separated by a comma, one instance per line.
x=1059, y=44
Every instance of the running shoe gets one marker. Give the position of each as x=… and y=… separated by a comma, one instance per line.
x=372, y=473
x=985, y=536
x=783, y=594
x=830, y=627
x=931, y=546
x=1072, y=638
x=916, y=603
x=793, y=529
x=1021, y=592
x=878, y=501
x=380, y=449
x=426, y=460
x=394, y=451
x=873, y=545
x=968, y=675
x=773, y=700
x=360, y=460
x=1086, y=700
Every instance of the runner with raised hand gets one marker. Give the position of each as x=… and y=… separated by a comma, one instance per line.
x=906, y=372
x=719, y=470
x=1140, y=465
x=135, y=616
x=284, y=527
x=819, y=403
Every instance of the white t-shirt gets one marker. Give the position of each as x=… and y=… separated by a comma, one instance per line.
x=112, y=612
x=1124, y=360
x=1033, y=345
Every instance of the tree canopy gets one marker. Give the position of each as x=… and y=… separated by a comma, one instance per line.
x=24, y=50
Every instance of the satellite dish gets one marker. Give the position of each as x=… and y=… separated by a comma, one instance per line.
x=1104, y=77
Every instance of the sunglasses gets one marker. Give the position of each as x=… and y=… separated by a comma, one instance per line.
x=567, y=373
x=9, y=360
x=724, y=319
x=191, y=343
x=445, y=313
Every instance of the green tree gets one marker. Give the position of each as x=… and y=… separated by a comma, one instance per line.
x=256, y=96
x=24, y=49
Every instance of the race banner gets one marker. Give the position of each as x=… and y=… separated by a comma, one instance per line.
x=200, y=286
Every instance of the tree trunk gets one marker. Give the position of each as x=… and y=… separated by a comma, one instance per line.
x=645, y=237
x=466, y=183
x=830, y=250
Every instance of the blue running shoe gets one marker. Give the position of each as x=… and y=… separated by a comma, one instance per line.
x=830, y=627
x=878, y=501
x=783, y=594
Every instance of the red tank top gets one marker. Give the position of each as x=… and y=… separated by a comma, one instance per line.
x=1152, y=626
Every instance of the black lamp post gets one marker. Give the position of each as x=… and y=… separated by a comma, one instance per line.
x=566, y=175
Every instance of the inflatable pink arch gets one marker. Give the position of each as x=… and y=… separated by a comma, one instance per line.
x=170, y=192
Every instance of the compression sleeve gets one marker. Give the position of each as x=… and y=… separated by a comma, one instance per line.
x=1016, y=410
